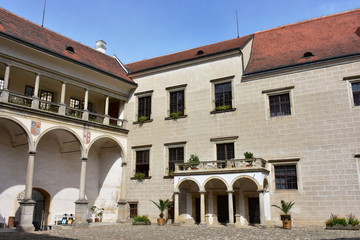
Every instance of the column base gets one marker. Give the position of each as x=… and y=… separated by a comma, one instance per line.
x=202, y=224
x=230, y=224
x=26, y=215
x=122, y=211
x=81, y=211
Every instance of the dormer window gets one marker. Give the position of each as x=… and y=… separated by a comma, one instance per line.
x=200, y=52
x=70, y=49
x=308, y=54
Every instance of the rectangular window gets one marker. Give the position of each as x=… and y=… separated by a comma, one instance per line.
x=29, y=91
x=144, y=108
x=223, y=95
x=356, y=93
x=46, y=96
x=142, y=162
x=286, y=177
x=1, y=84
x=177, y=103
x=74, y=103
x=176, y=155
x=133, y=210
x=225, y=151
x=280, y=105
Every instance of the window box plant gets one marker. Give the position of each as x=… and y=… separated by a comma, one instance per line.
x=285, y=217
x=162, y=206
x=339, y=223
x=99, y=212
x=222, y=108
x=139, y=176
x=194, y=161
x=141, y=220
x=142, y=119
x=176, y=115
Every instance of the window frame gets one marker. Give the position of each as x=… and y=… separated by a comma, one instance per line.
x=285, y=162
x=278, y=92
x=222, y=81
x=287, y=176
x=2, y=83
x=172, y=90
x=141, y=95
x=130, y=209
x=169, y=146
x=136, y=149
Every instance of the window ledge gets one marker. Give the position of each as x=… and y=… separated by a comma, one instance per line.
x=134, y=178
x=147, y=121
x=223, y=111
x=168, y=177
x=171, y=118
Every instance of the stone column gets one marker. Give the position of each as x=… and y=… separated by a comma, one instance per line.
x=107, y=117
x=27, y=205
x=122, y=211
x=81, y=205
x=62, y=109
x=241, y=220
x=262, y=208
x=231, y=208
x=176, y=207
x=202, y=208
x=35, y=101
x=86, y=102
x=189, y=204
x=5, y=91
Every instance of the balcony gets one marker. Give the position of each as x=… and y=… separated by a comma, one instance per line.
x=221, y=166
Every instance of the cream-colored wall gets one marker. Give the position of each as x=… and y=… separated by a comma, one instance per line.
x=322, y=131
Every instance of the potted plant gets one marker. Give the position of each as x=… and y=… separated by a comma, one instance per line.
x=175, y=115
x=222, y=108
x=143, y=119
x=249, y=155
x=99, y=212
x=162, y=206
x=286, y=217
x=194, y=161
x=141, y=220
x=139, y=176
x=340, y=223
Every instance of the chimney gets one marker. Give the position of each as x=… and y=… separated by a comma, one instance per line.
x=100, y=46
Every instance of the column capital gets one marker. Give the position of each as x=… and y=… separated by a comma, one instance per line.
x=176, y=192
x=202, y=192
x=32, y=153
x=83, y=159
x=230, y=191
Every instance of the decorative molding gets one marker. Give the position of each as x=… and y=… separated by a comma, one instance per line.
x=176, y=87
x=175, y=143
x=357, y=155
x=222, y=79
x=278, y=89
x=232, y=138
x=144, y=93
x=284, y=160
x=142, y=146
x=351, y=77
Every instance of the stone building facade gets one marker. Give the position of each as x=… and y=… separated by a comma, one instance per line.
x=78, y=127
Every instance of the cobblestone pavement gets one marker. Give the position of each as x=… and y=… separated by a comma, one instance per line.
x=129, y=232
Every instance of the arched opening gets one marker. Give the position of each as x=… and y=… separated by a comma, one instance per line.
x=217, y=207
x=14, y=148
x=103, y=183
x=57, y=169
x=188, y=195
x=247, y=201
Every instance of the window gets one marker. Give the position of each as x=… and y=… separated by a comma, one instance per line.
x=144, y=107
x=133, y=210
x=1, y=84
x=223, y=95
x=74, y=103
x=46, y=96
x=286, y=177
x=225, y=151
x=176, y=155
x=177, y=103
x=280, y=105
x=356, y=93
x=142, y=162
x=29, y=91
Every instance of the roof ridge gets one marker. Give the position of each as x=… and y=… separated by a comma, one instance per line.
x=52, y=31
x=308, y=20
x=149, y=59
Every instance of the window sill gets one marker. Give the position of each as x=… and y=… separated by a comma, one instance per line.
x=223, y=111
x=168, y=177
x=134, y=178
x=171, y=118
x=147, y=121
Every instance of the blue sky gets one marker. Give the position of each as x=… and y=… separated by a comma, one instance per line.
x=140, y=29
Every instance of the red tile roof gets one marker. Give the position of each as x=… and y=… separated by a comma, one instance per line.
x=189, y=54
x=27, y=32
x=326, y=38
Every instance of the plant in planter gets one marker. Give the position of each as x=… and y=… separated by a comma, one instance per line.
x=286, y=217
x=222, y=108
x=339, y=223
x=249, y=155
x=141, y=220
x=194, y=161
x=162, y=206
x=175, y=115
x=99, y=212
x=139, y=176
x=142, y=119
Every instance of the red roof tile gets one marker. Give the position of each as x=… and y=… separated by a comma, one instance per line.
x=189, y=54
x=33, y=34
x=327, y=37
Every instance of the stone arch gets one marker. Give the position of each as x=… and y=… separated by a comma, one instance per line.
x=177, y=188
x=259, y=187
x=24, y=128
x=104, y=137
x=228, y=187
x=66, y=129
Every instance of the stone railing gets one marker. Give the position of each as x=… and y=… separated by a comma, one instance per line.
x=20, y=99
x=221, y=166
x=49, y=106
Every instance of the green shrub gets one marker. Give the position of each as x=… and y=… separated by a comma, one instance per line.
x=335, y=219
x=176, y=114
x=143, y=119
x=248, y=155
x=143, y=218
x=222, y=108
x=352, y=220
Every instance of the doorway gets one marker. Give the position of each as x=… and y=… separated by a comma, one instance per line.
x=197, y=210
x=254, y=210
x=223, y=209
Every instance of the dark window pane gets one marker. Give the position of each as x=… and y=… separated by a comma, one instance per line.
x=142, y=162
x=176, y=155
x=223, y=95
x=286, y=177
x=29, y=91
x=144, y=108
x=133, y=210
x=1, y=84
x=225, y=151
x=356, y=93
x=280, y=105
x=177, y=102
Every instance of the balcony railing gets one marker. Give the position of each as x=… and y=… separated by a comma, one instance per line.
x=221, y=166
x=74, y=112
x=49, y=106
x=20, y=99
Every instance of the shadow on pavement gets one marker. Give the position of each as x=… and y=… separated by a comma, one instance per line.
x=29, y=236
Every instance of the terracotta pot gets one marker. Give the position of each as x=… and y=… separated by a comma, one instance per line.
x=287, y=224
x=97, y=219
x=161, y=221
